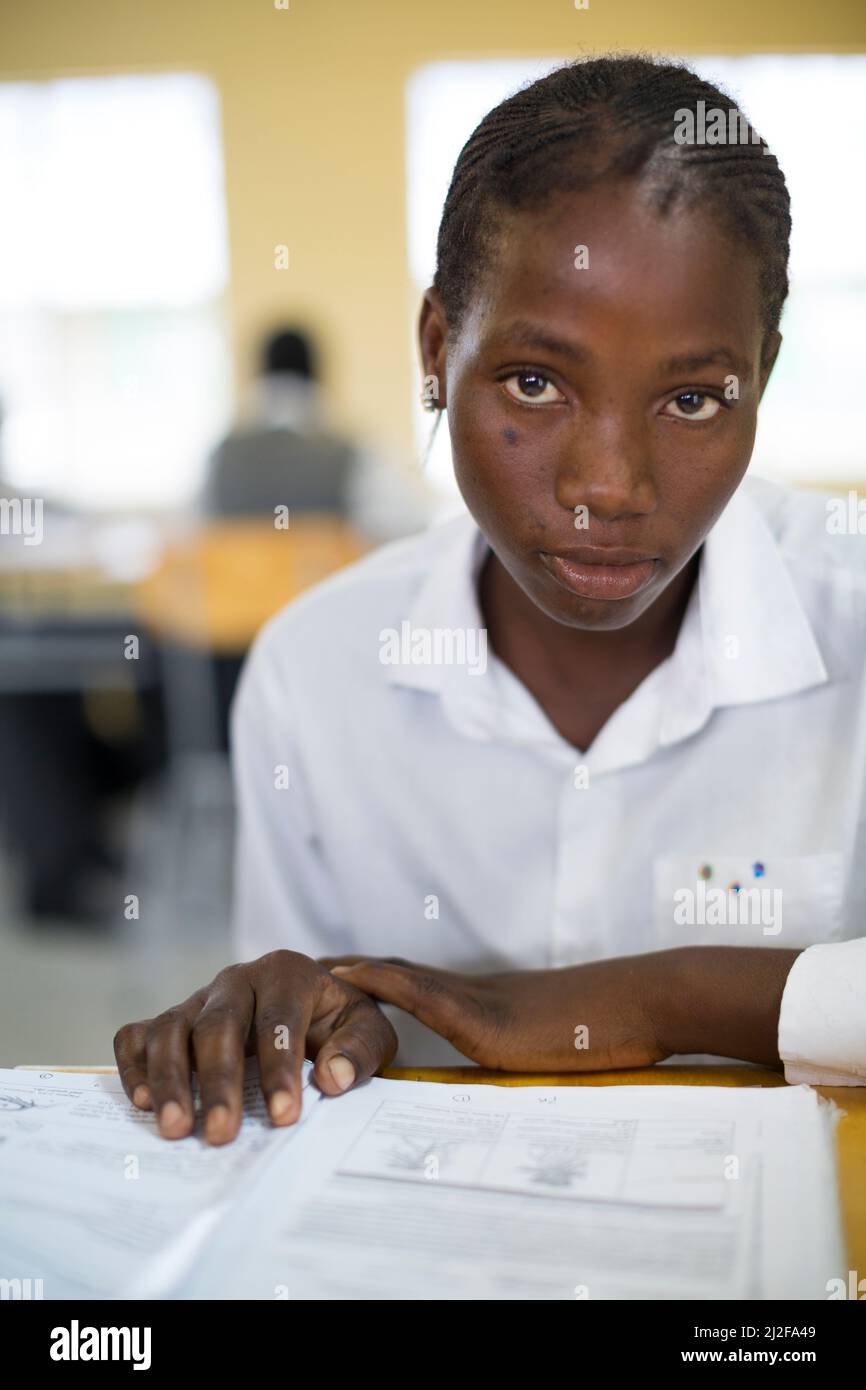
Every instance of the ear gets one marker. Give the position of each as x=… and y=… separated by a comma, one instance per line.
x=768, y=360
x=433, y=343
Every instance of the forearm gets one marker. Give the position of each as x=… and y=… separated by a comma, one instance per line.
x=722, y=1000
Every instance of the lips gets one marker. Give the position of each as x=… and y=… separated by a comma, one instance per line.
x=600, y=572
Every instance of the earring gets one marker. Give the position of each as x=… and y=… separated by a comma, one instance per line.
x=427, y=402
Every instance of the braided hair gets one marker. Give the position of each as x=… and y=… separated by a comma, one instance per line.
x=607, y=119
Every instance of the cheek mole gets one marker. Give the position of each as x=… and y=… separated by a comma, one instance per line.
x=511, y=434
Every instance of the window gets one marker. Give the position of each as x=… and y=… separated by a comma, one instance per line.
x=114, y=364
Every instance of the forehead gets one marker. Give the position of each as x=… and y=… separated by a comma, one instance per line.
x=642, y=274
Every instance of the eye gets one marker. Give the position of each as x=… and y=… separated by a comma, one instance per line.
x=532, y=388
x=694, y=405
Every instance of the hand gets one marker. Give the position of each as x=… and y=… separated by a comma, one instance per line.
x=282, y=1007
x=593, y=1017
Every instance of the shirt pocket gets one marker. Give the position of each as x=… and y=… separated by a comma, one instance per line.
x=734, y=900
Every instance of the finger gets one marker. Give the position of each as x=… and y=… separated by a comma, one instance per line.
x=219, y=1047
x=169, y=1072
x=431, y=995
x=360, y=1042
x=130, y=1053
x=280, y=1026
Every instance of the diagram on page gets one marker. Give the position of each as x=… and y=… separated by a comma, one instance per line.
x=683, y=1163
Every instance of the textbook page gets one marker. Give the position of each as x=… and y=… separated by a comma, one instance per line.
x=94, y=1203
x=406, y=1190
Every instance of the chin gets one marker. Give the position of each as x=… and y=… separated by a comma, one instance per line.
x=591, y=615
x=587, y=616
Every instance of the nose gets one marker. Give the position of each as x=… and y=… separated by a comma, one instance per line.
x=607, y=468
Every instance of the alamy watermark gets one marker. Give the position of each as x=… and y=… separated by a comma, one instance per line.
x=854, y=1288
x=437, y=646
x=22, y=516
x=734, y=906
x=15, y=1290
x=77, y=1343
x=846, y=516
x=714, y=126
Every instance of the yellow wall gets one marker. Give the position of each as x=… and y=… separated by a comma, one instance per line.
x=312, y=103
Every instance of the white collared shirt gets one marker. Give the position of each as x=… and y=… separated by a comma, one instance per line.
x=429, y=809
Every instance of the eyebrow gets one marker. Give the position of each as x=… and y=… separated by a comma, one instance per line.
x=530, y=335
x=718, y=356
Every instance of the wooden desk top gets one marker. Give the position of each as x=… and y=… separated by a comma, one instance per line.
x=850, y=1134
x=217, y=585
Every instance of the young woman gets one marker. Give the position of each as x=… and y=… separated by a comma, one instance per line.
x=595, y=753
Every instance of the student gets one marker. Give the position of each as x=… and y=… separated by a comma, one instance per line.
x=285, y=453
x=667, y=723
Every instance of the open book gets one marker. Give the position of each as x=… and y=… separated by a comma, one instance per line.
x=418, y=1190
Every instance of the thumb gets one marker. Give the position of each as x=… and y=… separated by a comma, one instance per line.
x=355, y=1050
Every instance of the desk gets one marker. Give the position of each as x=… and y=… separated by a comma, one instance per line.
x=850, y=1134
x=216, y=586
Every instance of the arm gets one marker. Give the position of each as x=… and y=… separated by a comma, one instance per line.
x=724, y=1000
x=631, y=1011
x=805, y=1008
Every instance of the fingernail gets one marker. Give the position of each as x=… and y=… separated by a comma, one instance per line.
x=141, y=1096
x=342, y=1071
x=280, y=1105
x=216, y=1123
x=171, y=1116
x=341, y=969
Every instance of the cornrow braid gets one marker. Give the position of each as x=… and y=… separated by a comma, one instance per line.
x=606, y=119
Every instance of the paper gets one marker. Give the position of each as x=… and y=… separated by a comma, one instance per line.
x=658, y=1163
x=407, y=1190
x=424, y=1191
x=93, y=1202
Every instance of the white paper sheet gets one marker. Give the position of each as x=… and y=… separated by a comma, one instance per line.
x=418, y=1191
x=93, y=1202
x=406, y=1190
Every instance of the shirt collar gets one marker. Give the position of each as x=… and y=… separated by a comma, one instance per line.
x=447, y=601
x=745, y=637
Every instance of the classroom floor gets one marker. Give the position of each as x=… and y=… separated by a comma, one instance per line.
x=65, y=989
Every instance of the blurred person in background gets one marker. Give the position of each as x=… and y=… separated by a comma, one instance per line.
x=286, y=453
